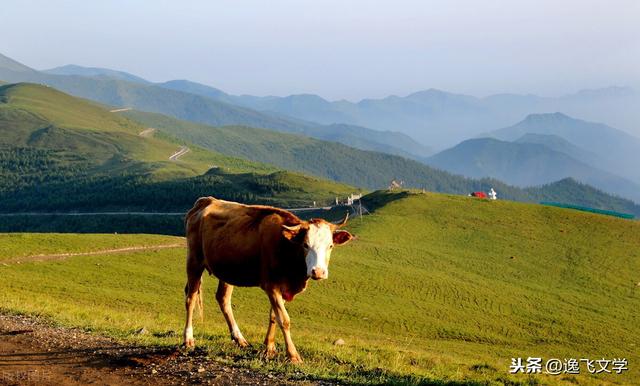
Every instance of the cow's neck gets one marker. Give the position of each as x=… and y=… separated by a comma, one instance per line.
x=292, y=273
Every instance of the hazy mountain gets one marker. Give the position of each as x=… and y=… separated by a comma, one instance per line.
x=617, y=152
x=196, y=88
x=436, y=117
x=561, y=145
x=441, y=118
x=198, y=103
x=526, y=164
x=11, y=65
x=72, y=69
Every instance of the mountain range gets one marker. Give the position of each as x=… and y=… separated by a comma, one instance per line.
x=438, y=118
x=615, y=150
x=544, y=148
x=119, y=89
x=526, y=164
x=541, y=149
x=59, y=153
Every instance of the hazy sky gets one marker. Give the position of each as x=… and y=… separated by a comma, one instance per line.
x=338, y=48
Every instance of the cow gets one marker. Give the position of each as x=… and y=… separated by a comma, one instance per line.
x=256, y=246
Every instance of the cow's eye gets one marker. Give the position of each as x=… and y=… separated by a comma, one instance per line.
x=305, y=245
x=331, y=246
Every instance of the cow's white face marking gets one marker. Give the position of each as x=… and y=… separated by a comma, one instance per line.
x=318, y=243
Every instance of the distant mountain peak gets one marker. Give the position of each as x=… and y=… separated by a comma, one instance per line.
x=611, y=91
x=97, y=72
x=12, y=65
x=435, y=93
x=546, y=117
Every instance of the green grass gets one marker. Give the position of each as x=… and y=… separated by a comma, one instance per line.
x=31, y=244
x=435, y=289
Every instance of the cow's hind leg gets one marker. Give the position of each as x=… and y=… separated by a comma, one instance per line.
x=269, y=340
x=223, y=295
x=192, y=297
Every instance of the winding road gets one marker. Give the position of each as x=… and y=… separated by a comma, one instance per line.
x=120, y=110
x=183, y=150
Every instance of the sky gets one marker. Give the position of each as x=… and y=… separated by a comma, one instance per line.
x=339, y=49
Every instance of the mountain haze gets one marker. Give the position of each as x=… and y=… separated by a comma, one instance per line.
x=559, y=144
x=437, y=117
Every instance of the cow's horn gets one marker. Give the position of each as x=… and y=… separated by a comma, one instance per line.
x=293, y=228
x=344, y=221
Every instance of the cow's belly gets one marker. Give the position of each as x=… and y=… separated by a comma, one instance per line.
x=243, y=272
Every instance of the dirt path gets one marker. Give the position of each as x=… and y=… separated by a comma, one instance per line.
x=147, y=132
x=120, y=110
x=60, y=256
x=35, y=353
x=183, y=150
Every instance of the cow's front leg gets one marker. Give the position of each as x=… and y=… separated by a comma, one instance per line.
x=269, y=340
x=282, y=317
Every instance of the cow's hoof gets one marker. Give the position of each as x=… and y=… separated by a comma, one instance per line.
x=189, y=343
x=295, y=359
x=242, y=343
x=269, y=353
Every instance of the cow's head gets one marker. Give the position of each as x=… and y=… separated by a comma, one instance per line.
x=317, y=237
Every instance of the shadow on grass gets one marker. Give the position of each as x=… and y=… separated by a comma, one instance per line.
x=380, y=198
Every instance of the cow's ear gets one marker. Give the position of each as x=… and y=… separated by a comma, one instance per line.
x=290, y=232
x=341, y=237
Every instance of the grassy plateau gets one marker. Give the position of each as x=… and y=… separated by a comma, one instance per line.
x=436, y=289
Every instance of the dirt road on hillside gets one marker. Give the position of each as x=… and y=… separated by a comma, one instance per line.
x=147, y=132
x=183, y=150
x=59, y=256
x=35, y=353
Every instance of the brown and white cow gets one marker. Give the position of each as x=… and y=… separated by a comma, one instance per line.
x=251, y=246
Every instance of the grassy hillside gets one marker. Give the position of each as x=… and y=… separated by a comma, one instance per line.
x=436, y=288
x=60, y=153
x=361, y=168
x=40, y=117
x=331, y=160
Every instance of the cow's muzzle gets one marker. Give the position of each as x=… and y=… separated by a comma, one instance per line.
x=319, y=273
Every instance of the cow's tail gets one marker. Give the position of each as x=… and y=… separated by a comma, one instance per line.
x=200, y=303
x=192, y=226
x=198, y=299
